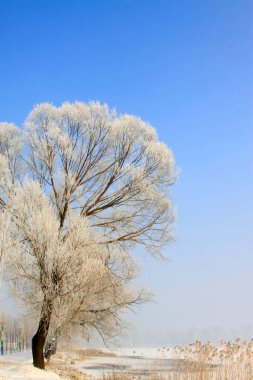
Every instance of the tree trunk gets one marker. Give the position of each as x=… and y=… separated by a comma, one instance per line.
x=39, y=338
x=56, y=337
x=54, y=349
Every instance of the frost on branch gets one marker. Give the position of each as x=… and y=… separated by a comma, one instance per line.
x=96, y=184
x=103, y=165
x=10, y=148
x=87, y=285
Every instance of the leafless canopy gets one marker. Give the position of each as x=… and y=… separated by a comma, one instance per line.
x=111, y=169
x=87, y=186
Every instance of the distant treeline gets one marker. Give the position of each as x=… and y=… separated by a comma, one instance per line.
x=15, y=334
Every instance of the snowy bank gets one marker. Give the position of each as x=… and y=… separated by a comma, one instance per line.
x=19, y=366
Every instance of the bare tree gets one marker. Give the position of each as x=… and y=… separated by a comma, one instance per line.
x=100, y=186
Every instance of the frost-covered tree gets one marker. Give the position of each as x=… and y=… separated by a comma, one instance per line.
x=10, y=148
x=99, y=185
x=64, y=276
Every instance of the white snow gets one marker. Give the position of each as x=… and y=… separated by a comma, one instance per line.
x=18, y=366
x=130, y=360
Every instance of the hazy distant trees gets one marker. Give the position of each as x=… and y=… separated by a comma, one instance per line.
x=89, y=186
x=15, y=333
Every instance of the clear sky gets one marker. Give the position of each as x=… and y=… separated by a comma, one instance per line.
x=187, y=68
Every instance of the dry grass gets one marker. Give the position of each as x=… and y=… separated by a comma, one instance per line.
x=62, y=362
x=65, y=371
x=89, y=352
x=115, y=376
x=122, y=376
x=228, y=361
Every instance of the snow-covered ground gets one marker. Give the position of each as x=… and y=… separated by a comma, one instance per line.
x=19, y=366
x=130, y=360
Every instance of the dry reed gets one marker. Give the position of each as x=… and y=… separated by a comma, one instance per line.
x=228, y=361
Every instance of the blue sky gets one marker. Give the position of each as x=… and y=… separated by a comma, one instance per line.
x=187, y=68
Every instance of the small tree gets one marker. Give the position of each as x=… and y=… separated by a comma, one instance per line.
x=103, y=183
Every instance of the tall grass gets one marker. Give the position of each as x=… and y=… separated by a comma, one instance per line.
x=228, y=361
